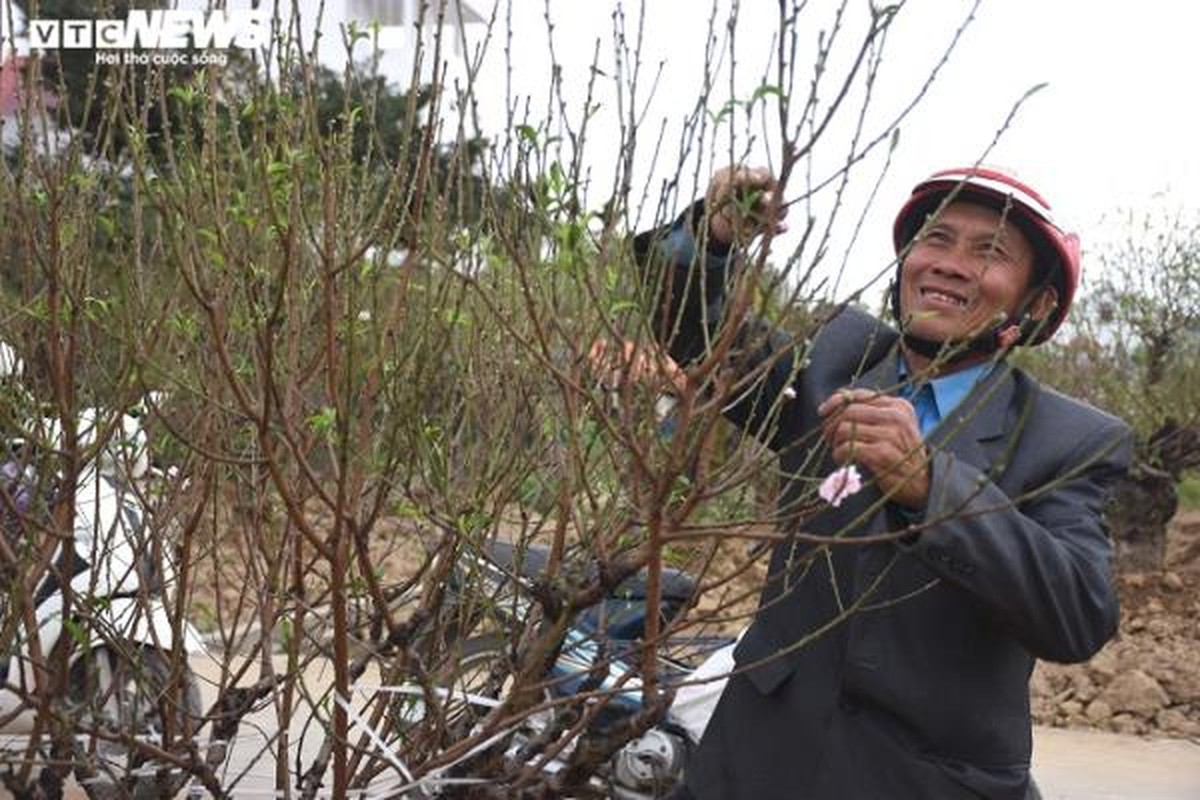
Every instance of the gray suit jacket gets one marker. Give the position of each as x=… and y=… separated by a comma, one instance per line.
x=900, y=669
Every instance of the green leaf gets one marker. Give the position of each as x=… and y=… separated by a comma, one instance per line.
x=725, y=111
x=356, y=33
x=558, y=180
x=622, y=305
x=183, y=93
x=457, y=317
x=107, y=227
x=323, y=421
x=96, y=308
x=285, y=632
x=766, y=90
x=528, y=133
x=406, y=510
x=76, y=631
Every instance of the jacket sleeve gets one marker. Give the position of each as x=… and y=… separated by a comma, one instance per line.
x=688, y=286
x=1041, y=565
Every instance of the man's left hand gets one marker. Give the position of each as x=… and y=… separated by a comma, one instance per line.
x=881, y=434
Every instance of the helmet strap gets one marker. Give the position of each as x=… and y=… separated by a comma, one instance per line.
x=950, y=353
x=987, y=343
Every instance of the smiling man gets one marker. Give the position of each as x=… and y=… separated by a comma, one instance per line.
x=898, y=666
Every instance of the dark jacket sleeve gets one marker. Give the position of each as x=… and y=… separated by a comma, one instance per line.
x=687, y=286
x=1041, y=564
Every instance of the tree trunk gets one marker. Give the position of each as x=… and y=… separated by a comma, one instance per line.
x=1141, y=507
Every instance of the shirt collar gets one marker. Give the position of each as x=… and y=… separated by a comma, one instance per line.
x=948, y=390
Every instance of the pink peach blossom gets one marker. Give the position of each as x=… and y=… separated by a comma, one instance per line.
x=841, y=483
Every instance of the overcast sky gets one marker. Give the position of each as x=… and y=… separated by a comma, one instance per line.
x=1116, y=127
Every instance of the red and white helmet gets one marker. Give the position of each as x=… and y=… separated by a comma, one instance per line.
x=1057, y=251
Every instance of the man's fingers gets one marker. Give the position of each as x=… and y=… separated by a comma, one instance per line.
x=861, y=433
x=877, y=457
x=743, y=178
x=740, y=202
x=843, y=399
x=844, y=454
x=881, y=458
x=892, y=416
x=897, y=447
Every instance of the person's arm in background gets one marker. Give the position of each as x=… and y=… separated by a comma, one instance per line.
x=689, y=269
x=691, y=264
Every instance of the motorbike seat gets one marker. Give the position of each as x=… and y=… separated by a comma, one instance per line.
x=530, y=561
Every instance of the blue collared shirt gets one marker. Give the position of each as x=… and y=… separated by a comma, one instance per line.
x=946, y=392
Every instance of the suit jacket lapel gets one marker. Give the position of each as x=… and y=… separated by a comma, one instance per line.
x=882, y=375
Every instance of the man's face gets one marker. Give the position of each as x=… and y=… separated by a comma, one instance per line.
x=970, y=267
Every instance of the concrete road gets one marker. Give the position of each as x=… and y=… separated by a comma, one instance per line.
x=1068, y=764
x=1087, y=765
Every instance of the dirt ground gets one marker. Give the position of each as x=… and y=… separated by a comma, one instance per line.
x=1147, y=680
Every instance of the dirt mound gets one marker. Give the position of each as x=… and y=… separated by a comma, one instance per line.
x=1147, y=680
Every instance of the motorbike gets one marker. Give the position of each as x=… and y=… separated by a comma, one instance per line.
x=122, y=683
x=597, y=659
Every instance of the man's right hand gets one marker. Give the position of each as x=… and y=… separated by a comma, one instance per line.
x=880, y=433
x=743, y=202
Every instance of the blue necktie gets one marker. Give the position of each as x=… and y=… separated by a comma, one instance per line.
x=925, y=405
